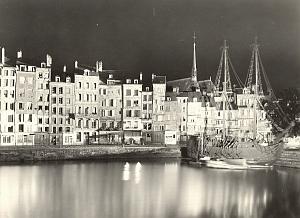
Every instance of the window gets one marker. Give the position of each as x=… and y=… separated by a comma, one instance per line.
x=79, y=124
x=40, y=120
x=111, y=102
x=86, y=110
x=54, y=100
x=136, y=92
x=68, y=129
x=54, y=110
x=79, y=85
x=87, y=97
x=60, y=90
x=68, y=100
x=54, y=129
x=136, y=103
x=104, y=91
x=128, y=92
x=136, y=113
x=60, y=129
x=60, y=100
x=128, y=113
x=144, y=106
x=21, y=127
x=21, y=106
x=30, y=118
x=110, y=113
x=95, y=85
x=68, y=91
x=12, y=93
x=128, y=103
x=145, y=98
x=10, y=118
x=10, y=129
x=78, y=137
x=60, y=110
x=53, y=90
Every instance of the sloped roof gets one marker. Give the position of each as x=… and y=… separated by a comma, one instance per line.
x=159, y=80
x=184, y=84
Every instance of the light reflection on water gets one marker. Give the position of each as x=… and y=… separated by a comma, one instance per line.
x=146, y=189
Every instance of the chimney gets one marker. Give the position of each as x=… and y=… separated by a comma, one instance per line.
x=141, y=76
x=3, y=56
x=19, y=54
x=76, y=64
x=153, y=76
x=100, y=66
x=49, y=60
x=97, y=66
x=65, y=69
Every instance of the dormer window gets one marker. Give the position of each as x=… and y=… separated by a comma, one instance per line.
x=128, y=81
x=147, y=89
x=22, y=68
x=110, y=76
x=86, y=72
x=136, y=81
x=43, y=65
x=57, y=79
x=68, y=79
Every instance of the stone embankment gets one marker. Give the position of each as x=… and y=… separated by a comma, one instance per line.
x=289, y=158
x=17, y=154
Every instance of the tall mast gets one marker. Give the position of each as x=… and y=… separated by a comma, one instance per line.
x=225, y=88
x=194, y=68
x=255, y=47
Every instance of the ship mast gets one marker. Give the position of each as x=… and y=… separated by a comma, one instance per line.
x=255, y=47
x=225, y=88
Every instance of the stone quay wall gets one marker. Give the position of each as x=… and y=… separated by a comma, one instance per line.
x=20, y=154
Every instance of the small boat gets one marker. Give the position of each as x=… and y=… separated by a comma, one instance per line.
x=234, y=164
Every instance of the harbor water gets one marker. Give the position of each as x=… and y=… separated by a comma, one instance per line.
x=135, y=188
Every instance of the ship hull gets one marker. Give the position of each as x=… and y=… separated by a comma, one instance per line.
x=251, y=152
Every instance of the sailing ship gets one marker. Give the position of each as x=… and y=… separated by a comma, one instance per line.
x=227, y=149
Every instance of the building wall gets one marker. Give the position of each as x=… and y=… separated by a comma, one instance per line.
x=147, y=114
x=110, y=113
x=7, y=105
x=61, y=109
x=87, y=107
x=159, y=95
x=26, y=112
x=132, y=107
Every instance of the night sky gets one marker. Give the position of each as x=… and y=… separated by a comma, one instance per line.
x=155, y=36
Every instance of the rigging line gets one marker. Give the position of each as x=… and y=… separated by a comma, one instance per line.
x=248, y=81
x=219, y=73
x=235, y=74
x=269, y=88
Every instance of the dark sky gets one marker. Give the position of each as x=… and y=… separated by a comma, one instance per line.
x=155, y=36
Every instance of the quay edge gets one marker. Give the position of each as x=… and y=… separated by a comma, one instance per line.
x=85, y=153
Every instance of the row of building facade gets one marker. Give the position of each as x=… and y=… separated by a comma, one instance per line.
x=96, y=106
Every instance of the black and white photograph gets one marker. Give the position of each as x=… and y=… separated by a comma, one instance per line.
x=149, y=108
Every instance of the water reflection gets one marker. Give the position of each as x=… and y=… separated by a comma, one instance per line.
x=146, y=189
